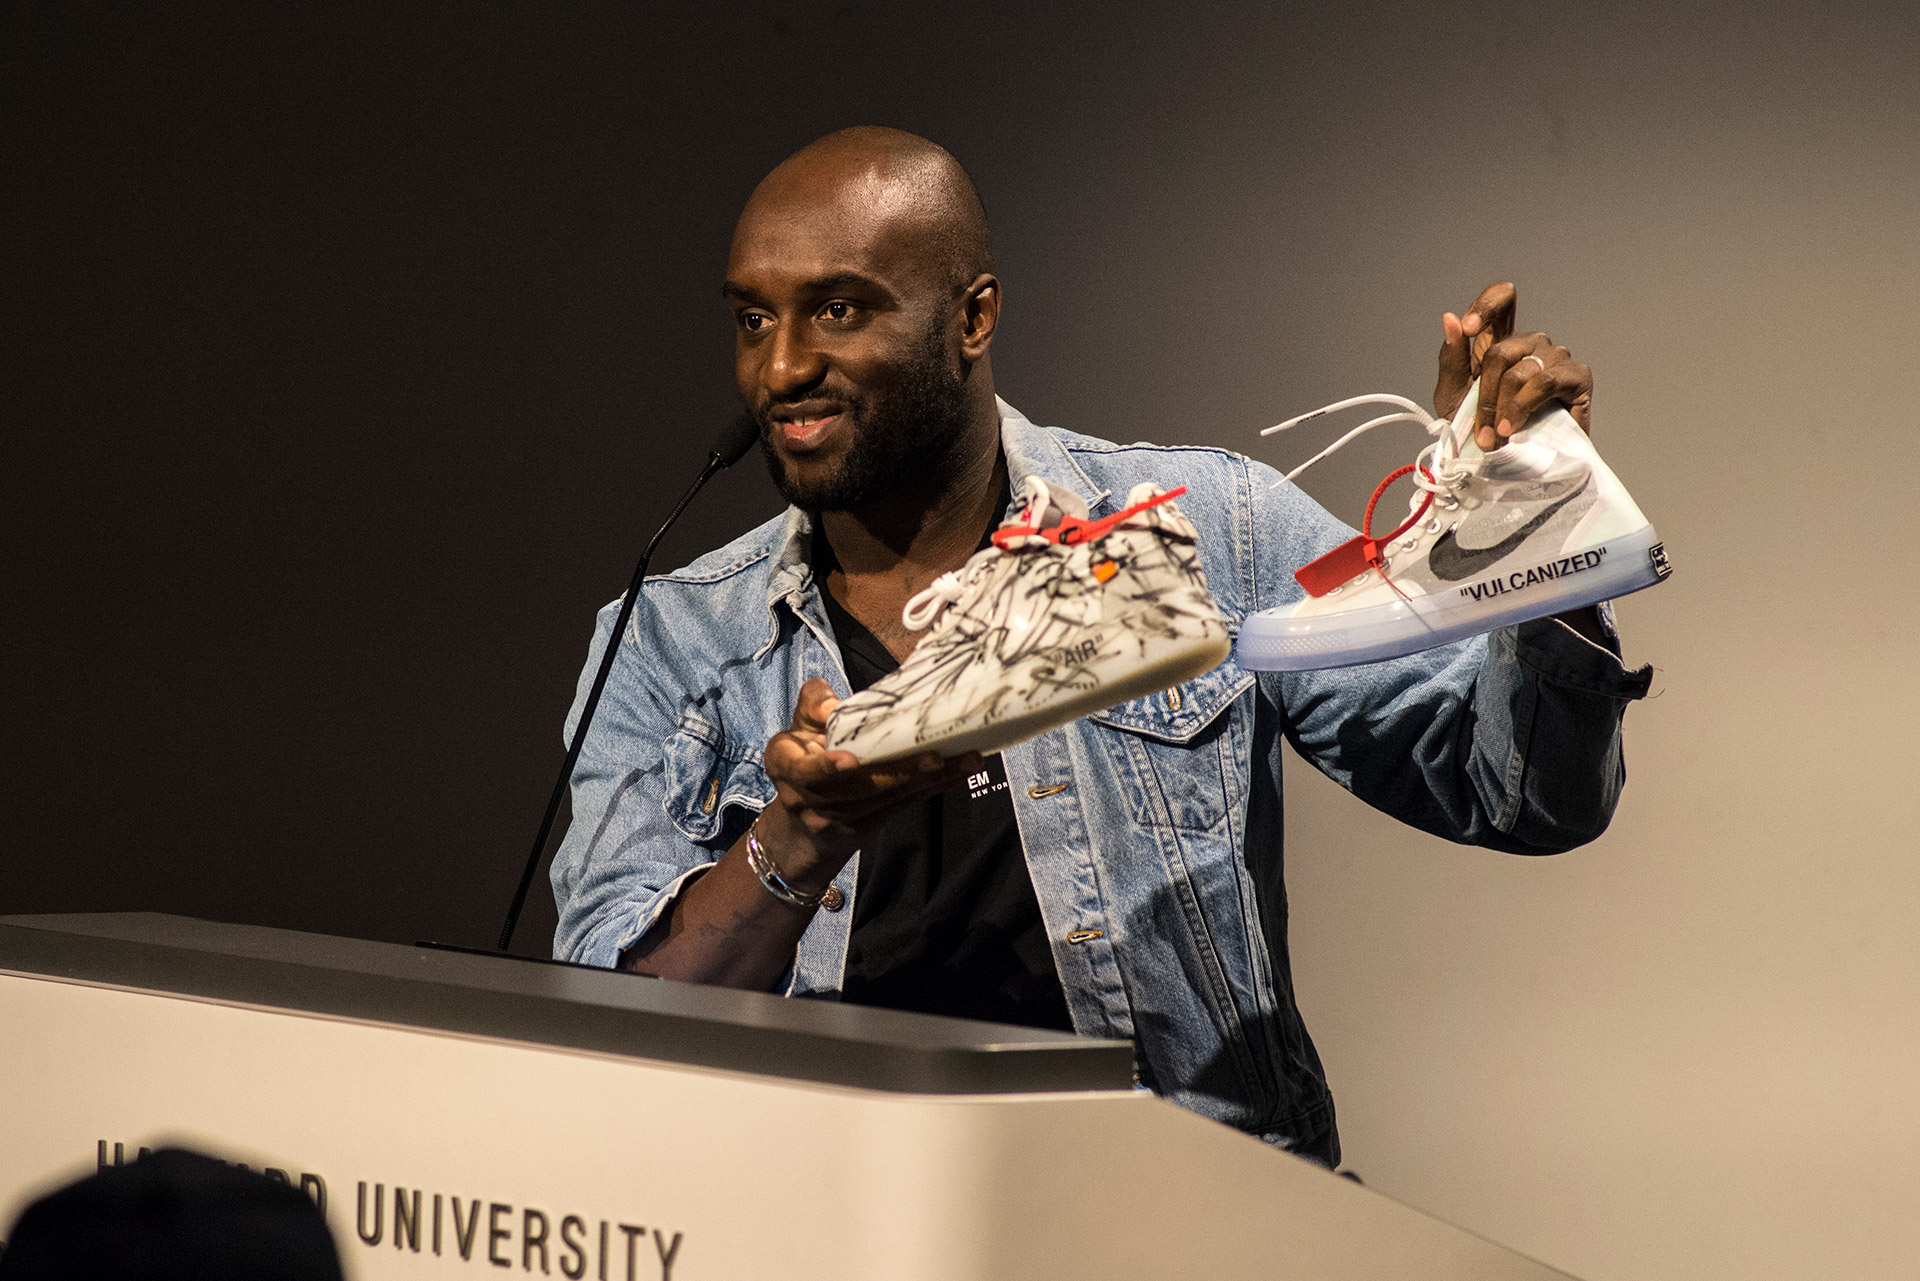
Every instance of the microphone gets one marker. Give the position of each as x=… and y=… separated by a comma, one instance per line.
x=729, y=447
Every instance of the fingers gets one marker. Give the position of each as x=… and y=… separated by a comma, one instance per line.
x=843, y=812
x=1568, y=381
x=913, y=777
x=852, y=786
x=803, y=759
x=1467, y=339
x=1518, y=376
x=800, y=752
x=815, y=704
x=1456, y=367
x=1507, y=367
x=870, y=810
x=838, y=787
x=1491, y=318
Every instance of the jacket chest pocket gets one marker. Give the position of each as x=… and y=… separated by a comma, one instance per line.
x=1179, y=750
x=705, y=775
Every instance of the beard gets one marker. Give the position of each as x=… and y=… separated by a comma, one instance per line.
x=903, y=436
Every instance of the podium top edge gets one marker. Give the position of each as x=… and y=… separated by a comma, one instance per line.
x=561, y=1006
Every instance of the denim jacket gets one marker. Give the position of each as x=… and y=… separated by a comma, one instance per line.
x=1152, y=830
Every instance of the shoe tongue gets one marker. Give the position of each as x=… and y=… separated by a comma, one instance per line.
x=1046, y=506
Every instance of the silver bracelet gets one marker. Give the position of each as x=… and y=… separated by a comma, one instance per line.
x=777, y=884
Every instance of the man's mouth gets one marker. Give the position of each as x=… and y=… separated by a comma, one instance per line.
x=804, y=430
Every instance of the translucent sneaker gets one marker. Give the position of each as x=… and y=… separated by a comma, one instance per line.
x=1062, y=616
x=1536, y=527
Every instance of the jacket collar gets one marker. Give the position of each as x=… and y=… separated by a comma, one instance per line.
x=1029, y=450
x=1035, y=451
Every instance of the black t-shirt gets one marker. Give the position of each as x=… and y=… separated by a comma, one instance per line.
x=944, y=916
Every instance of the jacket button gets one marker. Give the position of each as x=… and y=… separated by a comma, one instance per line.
x=832, y=899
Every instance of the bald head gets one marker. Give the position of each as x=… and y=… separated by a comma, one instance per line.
x=864, y=306
x=884, y=183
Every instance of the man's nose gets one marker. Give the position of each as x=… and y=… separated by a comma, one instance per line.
x=794, y=364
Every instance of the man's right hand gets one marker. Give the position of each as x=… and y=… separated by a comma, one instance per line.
x=826, y=804
x=725, y=927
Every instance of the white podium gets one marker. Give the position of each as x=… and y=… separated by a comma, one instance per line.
x=464, y=1115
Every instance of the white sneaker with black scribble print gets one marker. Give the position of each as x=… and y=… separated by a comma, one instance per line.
x=1061, y=617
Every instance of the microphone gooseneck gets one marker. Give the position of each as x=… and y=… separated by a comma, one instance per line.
x=734, y=440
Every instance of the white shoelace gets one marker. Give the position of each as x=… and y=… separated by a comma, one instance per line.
x=1439, y=460
x=943, y=591
x=947, y=589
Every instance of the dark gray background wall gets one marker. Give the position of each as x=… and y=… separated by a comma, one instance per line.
x=354, y=352
x=350, y=355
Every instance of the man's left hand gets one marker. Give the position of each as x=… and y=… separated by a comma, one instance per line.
x=1518, y=373
x=1524, y=372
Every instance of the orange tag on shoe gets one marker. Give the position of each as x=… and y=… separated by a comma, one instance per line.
x=1104, y=570
x=1346, y=562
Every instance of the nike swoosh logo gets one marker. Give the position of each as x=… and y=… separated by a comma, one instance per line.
x=1450, y=562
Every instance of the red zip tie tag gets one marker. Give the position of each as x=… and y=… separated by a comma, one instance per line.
x=1359, y=554
x=1346, y=562
x=1071, y=531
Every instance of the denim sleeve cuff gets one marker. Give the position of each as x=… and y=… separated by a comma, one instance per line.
x=643, y=919
x=1561, y=656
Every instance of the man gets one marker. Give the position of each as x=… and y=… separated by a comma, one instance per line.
x=1127, y=879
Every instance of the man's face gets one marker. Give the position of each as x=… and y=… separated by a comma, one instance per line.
x=843, y=348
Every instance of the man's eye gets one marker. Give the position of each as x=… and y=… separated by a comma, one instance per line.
x=754, y=321
x=837, y=310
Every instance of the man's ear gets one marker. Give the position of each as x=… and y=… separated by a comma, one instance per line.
x=979, y=316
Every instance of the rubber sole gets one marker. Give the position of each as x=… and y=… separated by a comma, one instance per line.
x=1274, y=640
x=1182, y=661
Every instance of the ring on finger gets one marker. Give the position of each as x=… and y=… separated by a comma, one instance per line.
x=1536, y=360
